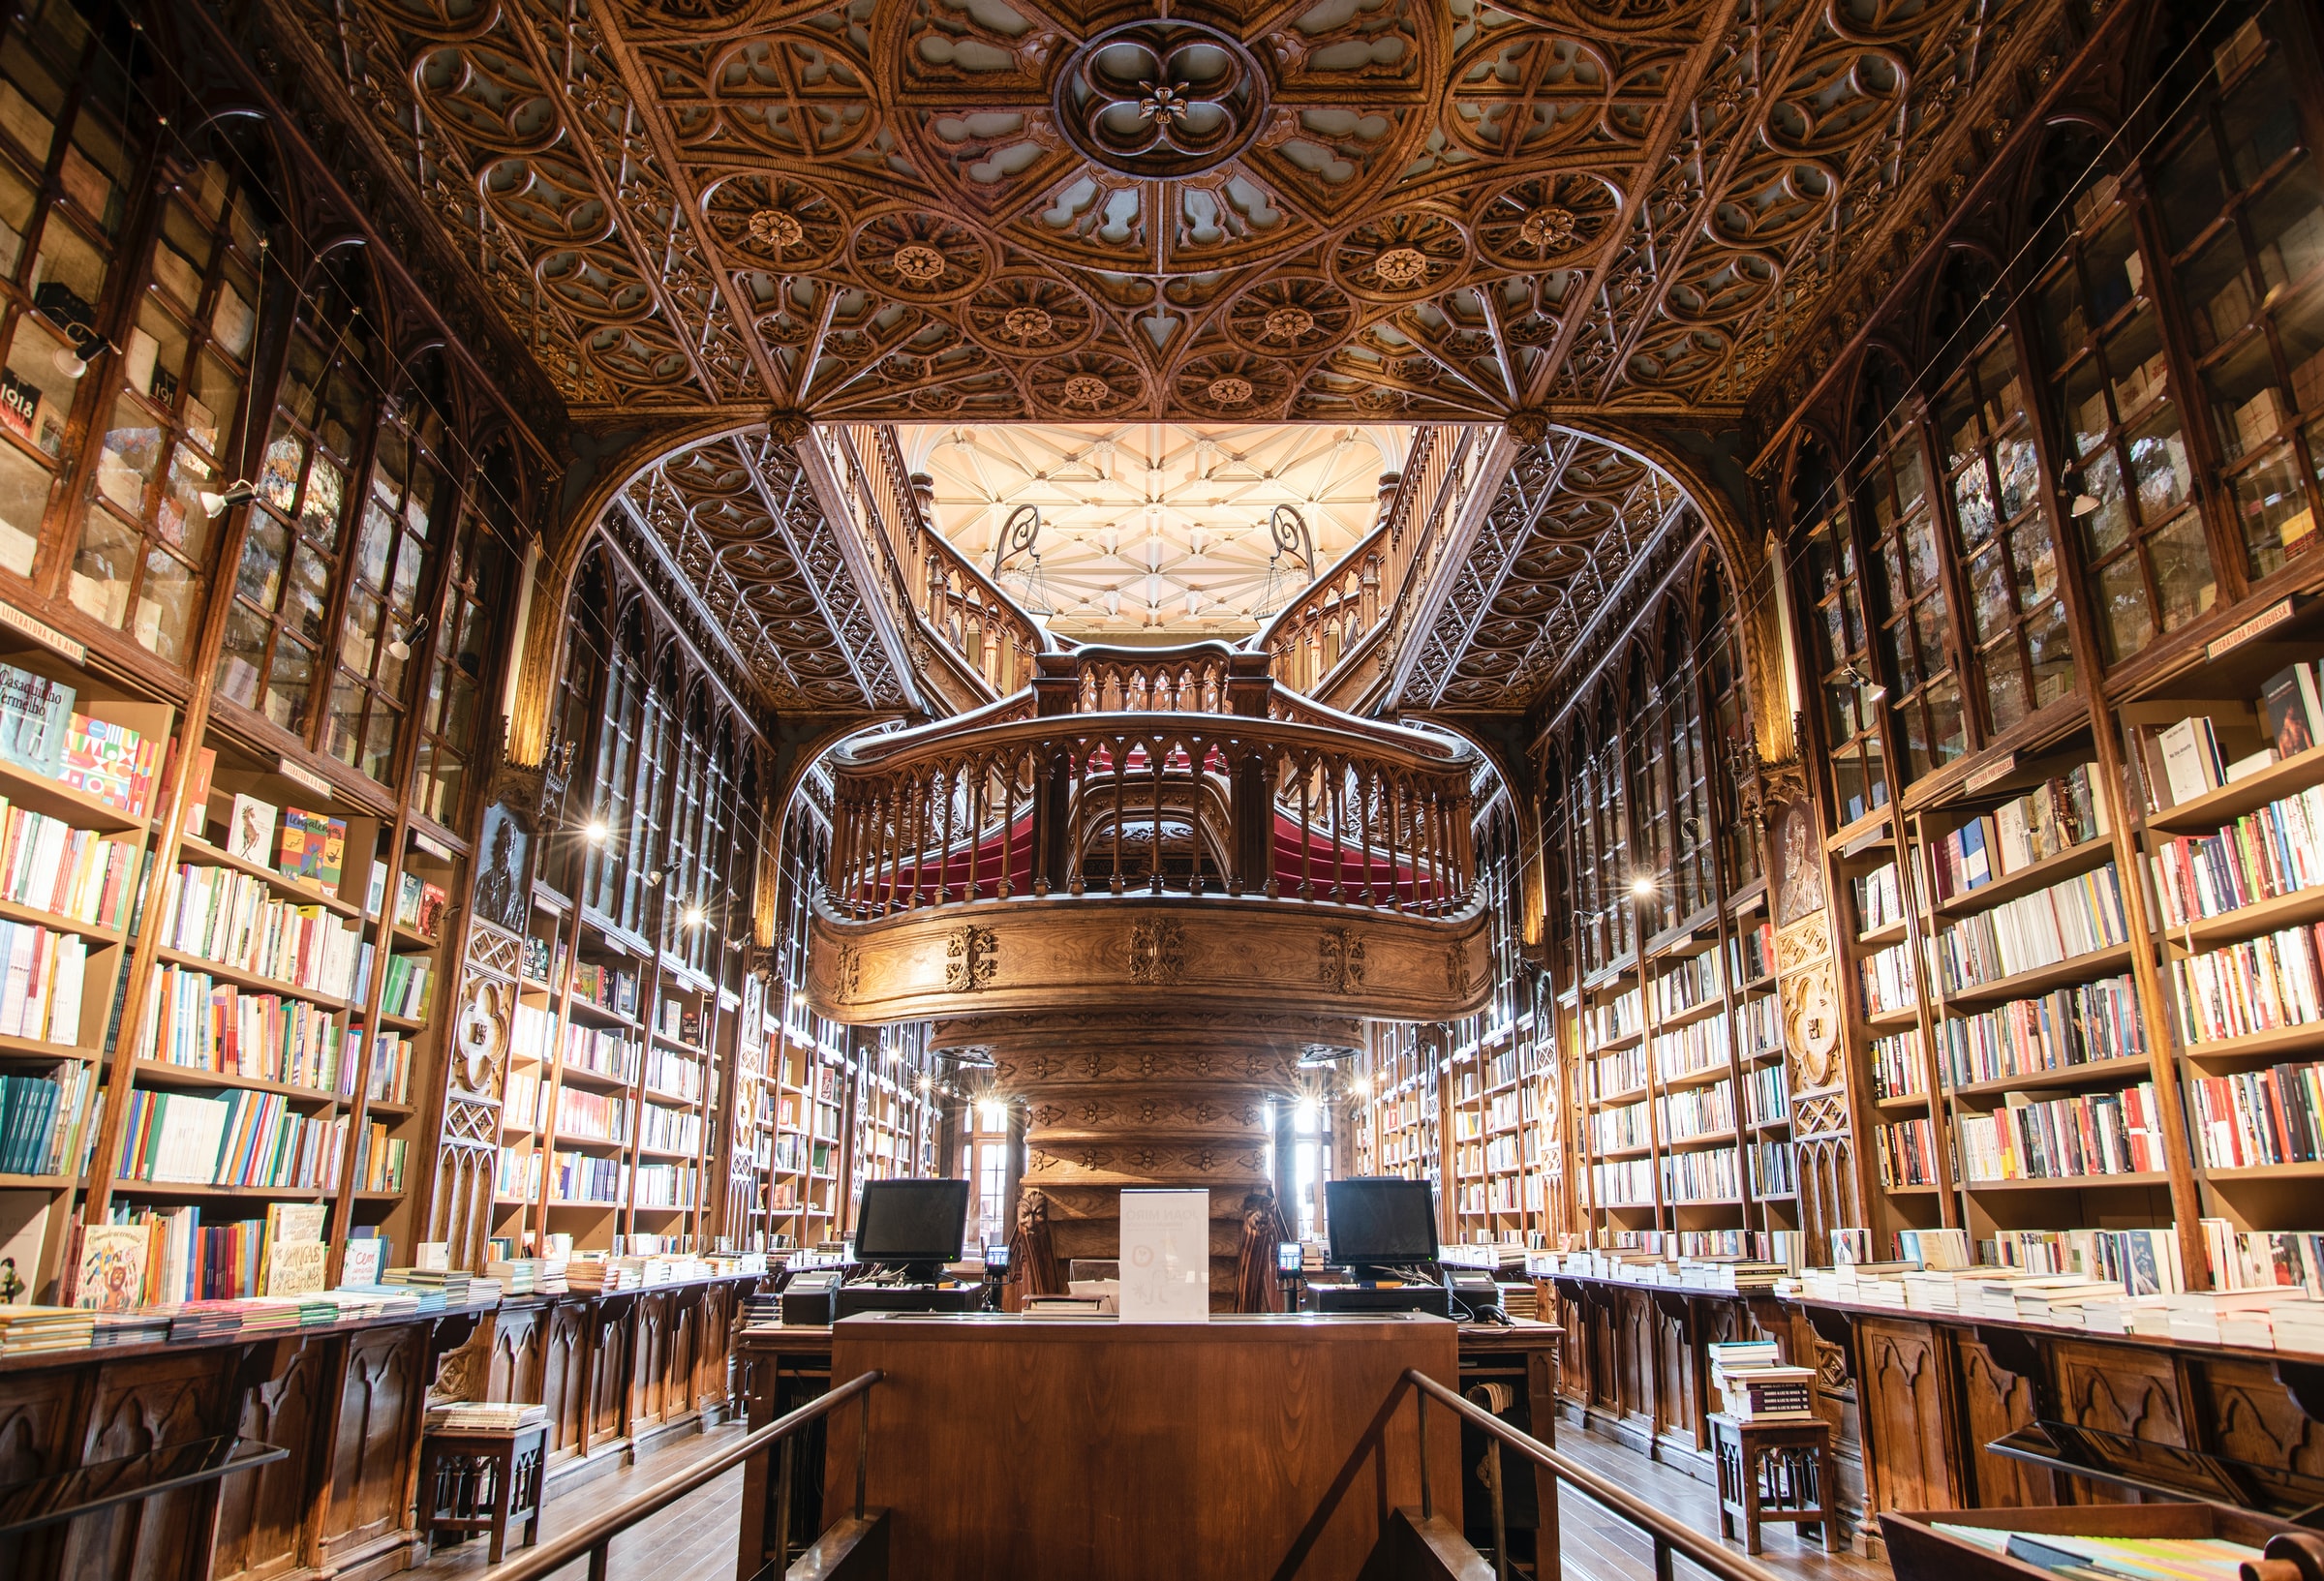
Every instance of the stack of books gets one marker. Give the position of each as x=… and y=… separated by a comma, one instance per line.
x=2060, y=1302
x=1756, y=1386
x=144, y=1325
x=519, y=1275
x=766, y=1307
x=486, y=1415
x=29, y=1328
x=452, y=1283
x=204, y=1320
x=2228, y=1317
x=393, y=1300
x=2299, y=1325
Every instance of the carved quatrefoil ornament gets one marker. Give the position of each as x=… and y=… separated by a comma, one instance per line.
x=1161, y=98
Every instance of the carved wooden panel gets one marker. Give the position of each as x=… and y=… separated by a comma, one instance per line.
x=382, y=1397
x=262, y=1514
x=517, y=1366
x=609, y=1327
x=1996, y=1401
x=1673, y=1370
x=1906, y=1399
x=38, y=1422
x=565, y=1374
x=2118, y=1389
x=650, y=1336
x=1574, y=1347
x=2249, y=1416
x=135, y=1409
x=1635, y=1350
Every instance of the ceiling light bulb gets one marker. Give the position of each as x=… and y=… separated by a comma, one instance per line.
x=69, y=365
x=2085, y=504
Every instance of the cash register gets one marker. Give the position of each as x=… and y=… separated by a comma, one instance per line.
x=905, y=1232
x=1382, y=1230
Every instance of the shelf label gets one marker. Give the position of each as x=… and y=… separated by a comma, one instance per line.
x=1998, y=770
x=432, y=845
x=2276, y=614
x=46, y=636
x=1865, y=841
x=298, y=773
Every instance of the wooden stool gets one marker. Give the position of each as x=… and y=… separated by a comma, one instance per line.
x=1776, y=1472
x=482, y=1479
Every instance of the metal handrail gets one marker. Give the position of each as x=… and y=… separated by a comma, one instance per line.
x=1666, y=1534
x=592, y=1537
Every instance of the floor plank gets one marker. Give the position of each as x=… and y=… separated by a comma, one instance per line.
x=694, y=1538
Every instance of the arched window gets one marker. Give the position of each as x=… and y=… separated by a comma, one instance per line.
x=1732, y=740
x=611, y=859
x=1832, y=589
x=317, y=445
x=2129, y=475
x=171, y=436
x=1908, y=582
x=478, y=584
x=2004, y=528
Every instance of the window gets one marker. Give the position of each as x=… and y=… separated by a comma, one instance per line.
x=1915, y=617
x=1602, y=853
x=1648, y=759
x=146, y=534
x=1730, y=727
x=2110, y=389
x=315, y=444
x=606, y=878
x=2243, y=211
x=63, y=185
x=1691, y=887
x=2001, y=520
x=1842, y=651
x=379, y=624
x=476, y=591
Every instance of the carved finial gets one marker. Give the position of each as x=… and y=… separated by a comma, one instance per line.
x=1528, y=426
x=787, y=425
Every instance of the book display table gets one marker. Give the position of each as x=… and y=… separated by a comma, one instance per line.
x=1775, y=1472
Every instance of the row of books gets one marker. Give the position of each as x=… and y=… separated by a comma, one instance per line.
x=2272, y=851
x=1908, y=1153
x=611, y=1054
x=1700, y=1046
x=2047, y=821
x=199, y=1024
x=598, y=1115
x=676, y=1074
x=1620, y=1016
x=239, y=1139
x=666, y=1185
x=390, y=1065
x=41, y=991
x=518, y=1175
x=2258, y=1117
x=1690, y=980
x=579, y=1177
x=1773, y=1171
x=1767, y=1095
x=608, y=988
x=38, y=1115
x=1879, y=898
x=1888, y=979
x=532, y=1032
x=2256, y=985
x=48, y=864
x=2065, y=1027
x=1627, y=1125
x=2072, y=918
x=1709, y=1175
x=1622, y=1070
x=1623, y=1182
x=2144, y=1262
x=406, y=992
x=233, y=919
x=41, y=734
x=525, y=1101
x=669, y=1130
x=1897, y=1071
x=1697, y=1112
x=2263, y=1258
x=1751, y=954
x=2059, y=1139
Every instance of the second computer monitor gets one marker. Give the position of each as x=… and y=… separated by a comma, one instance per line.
x=921, y=1222
x=1381, y=1220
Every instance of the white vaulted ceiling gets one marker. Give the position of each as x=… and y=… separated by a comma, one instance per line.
x=1154, y=532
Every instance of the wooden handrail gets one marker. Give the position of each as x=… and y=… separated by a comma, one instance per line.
x=592, y=1535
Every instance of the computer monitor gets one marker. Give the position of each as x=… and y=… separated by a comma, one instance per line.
x=918, y=1223
x=1381, y=1220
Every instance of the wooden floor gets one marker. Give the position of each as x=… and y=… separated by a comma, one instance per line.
x=695, y=1537
x=1602, y=1547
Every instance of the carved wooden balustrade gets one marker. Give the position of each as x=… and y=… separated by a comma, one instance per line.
x=1197, y=791
x=1145, y=888
x=987, y=639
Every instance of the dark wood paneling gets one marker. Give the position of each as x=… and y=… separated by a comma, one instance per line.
x=1996, y=1401
x=1903, y=1391
x=262, y=1514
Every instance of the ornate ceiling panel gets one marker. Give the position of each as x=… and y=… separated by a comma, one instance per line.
x=1151, y=529
x=738, y=521
x=1576, y=523
x=1350, y=210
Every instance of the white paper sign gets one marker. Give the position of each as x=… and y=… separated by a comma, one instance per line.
x=1166, y=1256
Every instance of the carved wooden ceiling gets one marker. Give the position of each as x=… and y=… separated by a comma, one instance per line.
x=1066, y=210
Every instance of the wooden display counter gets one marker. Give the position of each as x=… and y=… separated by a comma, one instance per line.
x=348, y=1401
x=1915, y=1396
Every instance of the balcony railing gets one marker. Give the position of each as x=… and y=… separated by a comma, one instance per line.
x=989, y=641
x=1317, y=643
x=1202, y=790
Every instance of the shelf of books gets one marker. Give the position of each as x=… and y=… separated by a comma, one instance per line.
x=1499, y=1145
x=1405, y=1105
